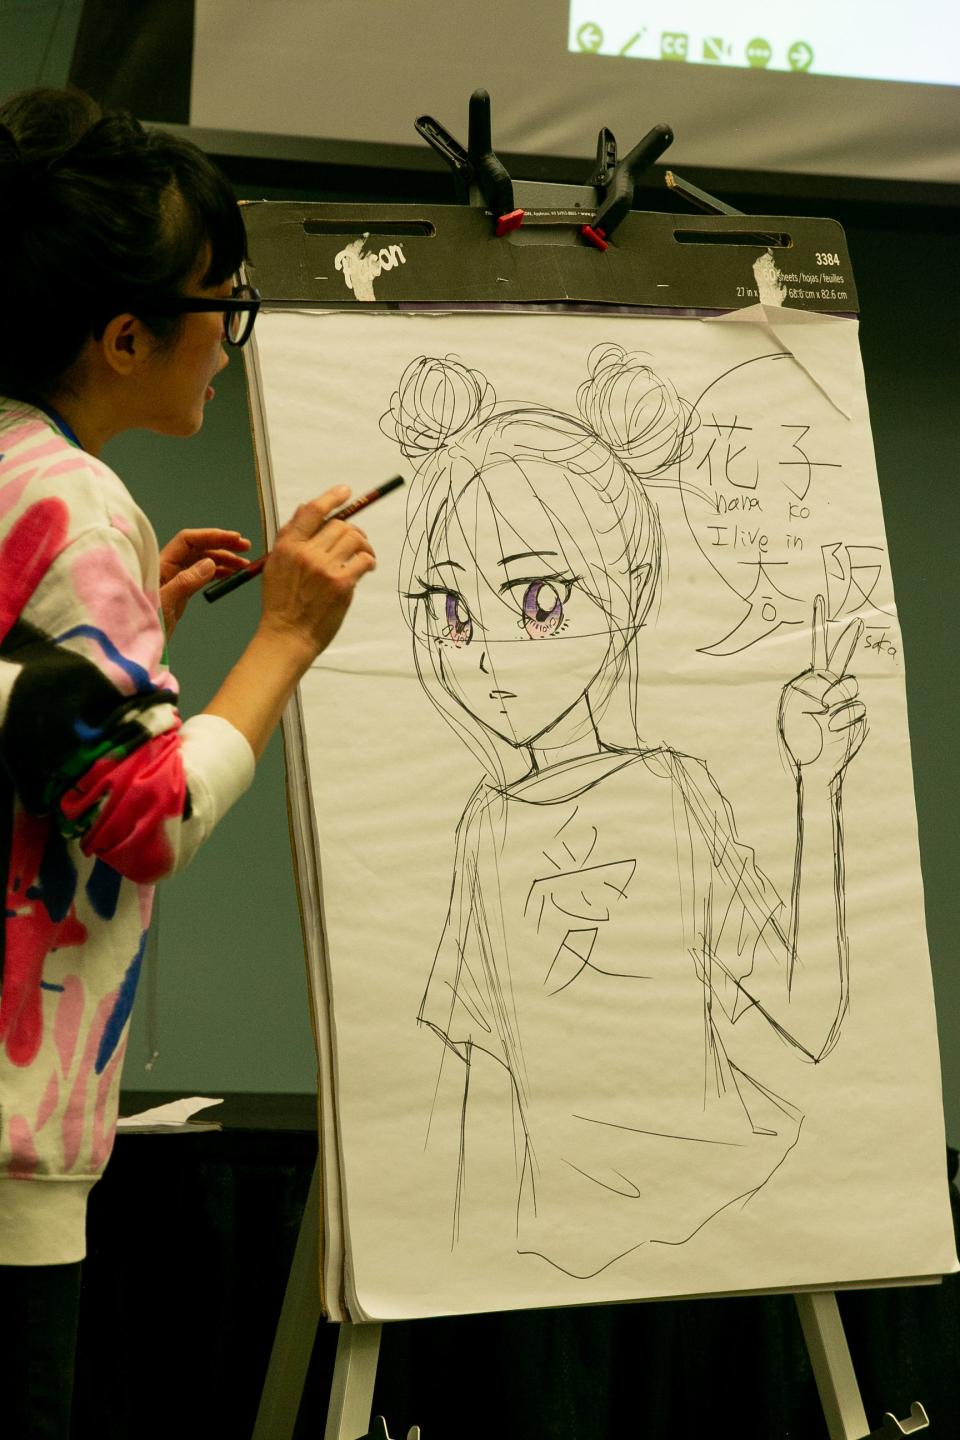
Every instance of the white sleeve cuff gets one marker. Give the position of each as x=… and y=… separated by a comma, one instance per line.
x=219, y=766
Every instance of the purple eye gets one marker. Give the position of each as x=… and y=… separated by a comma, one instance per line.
x=459, y=626
x=543, y=608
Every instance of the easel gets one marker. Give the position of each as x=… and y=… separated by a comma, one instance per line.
x=589, y=214
x=358, y=1347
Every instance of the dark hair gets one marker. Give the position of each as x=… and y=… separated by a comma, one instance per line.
x=98, y=216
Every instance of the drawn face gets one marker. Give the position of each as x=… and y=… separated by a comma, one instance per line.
x=517, y=633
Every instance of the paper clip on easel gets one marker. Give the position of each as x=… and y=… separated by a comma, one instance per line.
x=479, y=166
x=480, y=175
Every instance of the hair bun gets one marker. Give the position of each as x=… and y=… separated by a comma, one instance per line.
x=636, y=412
x=14, y=168
x=20, y=183
x=437, y=399
x=9, y=146
x=20, y=173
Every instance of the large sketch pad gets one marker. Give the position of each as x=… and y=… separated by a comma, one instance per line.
x=602, y=1021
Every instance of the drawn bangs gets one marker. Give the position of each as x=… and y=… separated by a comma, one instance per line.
x=431, y=508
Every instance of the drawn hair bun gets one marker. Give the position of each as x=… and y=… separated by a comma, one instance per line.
x=634, y=411
x=437, y=399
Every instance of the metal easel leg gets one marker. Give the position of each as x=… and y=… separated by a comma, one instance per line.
x=354, y=1375
x=296, y=1330
x=832, y=1367
x=836, y=1381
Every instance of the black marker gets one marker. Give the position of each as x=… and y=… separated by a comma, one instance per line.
x=233, y=582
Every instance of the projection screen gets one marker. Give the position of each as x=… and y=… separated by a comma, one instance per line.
x=866, y=88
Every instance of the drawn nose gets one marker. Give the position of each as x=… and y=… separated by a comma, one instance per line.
x=483, y=662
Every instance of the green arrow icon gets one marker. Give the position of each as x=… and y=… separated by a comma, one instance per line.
x=590, y=37
x=759, y=53
x=800, y=55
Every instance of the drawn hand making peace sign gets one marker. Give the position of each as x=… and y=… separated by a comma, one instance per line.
x=822, y=718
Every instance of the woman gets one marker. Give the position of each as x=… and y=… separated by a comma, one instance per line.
x=119, y=250
x=610, y=942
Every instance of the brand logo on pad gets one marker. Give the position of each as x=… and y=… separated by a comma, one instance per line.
x=360, y=269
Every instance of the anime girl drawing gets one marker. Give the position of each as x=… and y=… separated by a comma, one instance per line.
x=609, y=939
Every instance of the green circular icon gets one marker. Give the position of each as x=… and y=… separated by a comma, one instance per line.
x=590, y=37
x=759, y=53
x=800, y=55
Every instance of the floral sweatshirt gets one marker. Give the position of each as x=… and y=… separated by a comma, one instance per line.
x=103, y=791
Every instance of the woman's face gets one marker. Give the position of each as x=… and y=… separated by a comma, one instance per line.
x=516, y=638
x=180, y=375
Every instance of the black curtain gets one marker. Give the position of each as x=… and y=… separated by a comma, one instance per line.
x=190, y=1243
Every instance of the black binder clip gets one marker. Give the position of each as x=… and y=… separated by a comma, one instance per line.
x=478, y=164
x=619, y=180
x=491, y=173
x=450, y=150
x=605, y=163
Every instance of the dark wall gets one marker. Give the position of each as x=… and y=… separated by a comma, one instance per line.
x=910, y=338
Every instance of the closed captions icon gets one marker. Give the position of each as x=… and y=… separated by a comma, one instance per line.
x=674, y=45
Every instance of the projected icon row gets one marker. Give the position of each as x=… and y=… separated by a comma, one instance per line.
x=713, y=49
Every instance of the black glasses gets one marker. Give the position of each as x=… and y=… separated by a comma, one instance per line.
x=239, y=311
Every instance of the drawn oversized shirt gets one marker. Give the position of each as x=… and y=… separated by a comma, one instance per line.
x=604, y=923
x=102, y=792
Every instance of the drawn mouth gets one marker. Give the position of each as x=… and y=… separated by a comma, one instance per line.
x=503, y=695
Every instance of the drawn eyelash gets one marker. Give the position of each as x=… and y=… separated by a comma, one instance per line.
x=566, y=580
x=467, y=622
x=427, y=590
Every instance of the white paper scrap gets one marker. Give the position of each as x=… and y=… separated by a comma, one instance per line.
x=171, y=1116
x=814, y=342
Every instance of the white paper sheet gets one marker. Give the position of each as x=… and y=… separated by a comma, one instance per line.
x=554, y=774
x=173, y=1116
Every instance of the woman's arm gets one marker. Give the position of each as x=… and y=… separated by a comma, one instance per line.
x=91, y=731
x=308, y=583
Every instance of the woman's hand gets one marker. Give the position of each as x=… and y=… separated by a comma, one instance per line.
x=311, y=572
x=191, y=560
x=308, y=582
x=822, y=718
